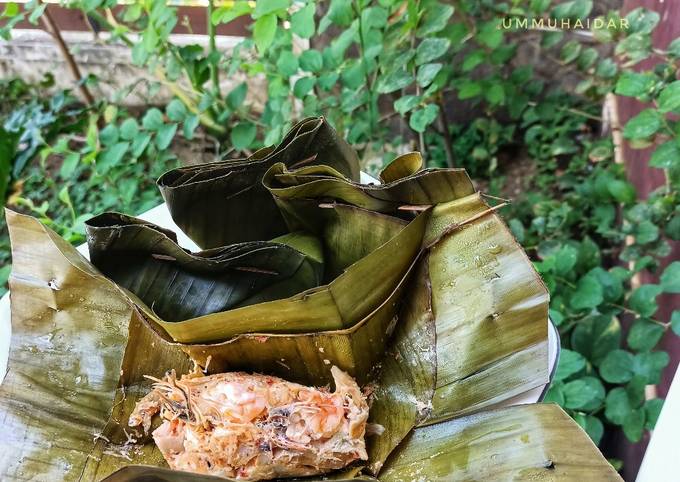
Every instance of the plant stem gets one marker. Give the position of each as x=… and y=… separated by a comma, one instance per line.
x=635, y=313
x=53, y=29
x=667, y=126
x=565, y=281
x=574, y=111
x=388, y=116
x=421, y=136
x=212, y=51
x=362, y=48
x=109, y=22
x=204, y=117
x=444, y=121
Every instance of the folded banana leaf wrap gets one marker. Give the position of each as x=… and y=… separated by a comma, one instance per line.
x=415, y=287
x=234, y=190
x=180, y=285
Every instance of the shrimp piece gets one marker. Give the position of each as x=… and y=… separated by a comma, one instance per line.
x=240, y=403
x=318, y=416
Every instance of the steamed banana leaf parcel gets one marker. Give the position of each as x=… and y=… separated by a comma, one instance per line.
x=328, y=327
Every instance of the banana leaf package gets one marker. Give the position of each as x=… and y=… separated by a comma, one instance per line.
x=414, y=288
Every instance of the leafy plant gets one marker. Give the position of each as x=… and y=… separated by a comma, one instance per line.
x=572, y=227
x=591, y=235
x=29, y=122
x=363, y=55
x=394, y=75
x=89, y=159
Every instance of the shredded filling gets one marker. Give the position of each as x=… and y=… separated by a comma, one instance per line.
x=255, y=427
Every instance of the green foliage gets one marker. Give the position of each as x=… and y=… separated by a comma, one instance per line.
x=590, y=234
x=414, y=55
x=68, y=162
x=32, y=122
x=576, y=224
x=376, y=68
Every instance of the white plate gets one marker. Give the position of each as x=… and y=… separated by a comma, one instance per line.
x=161, y=216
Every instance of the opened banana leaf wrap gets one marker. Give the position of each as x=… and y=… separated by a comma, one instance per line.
x=415, y=287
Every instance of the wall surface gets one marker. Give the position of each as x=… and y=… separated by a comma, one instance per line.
x=32, y=53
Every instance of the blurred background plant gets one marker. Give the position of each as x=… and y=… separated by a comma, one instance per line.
x=392, y=75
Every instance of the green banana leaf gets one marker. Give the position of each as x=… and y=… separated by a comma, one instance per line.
x=231, y=192
x=526, y=442
x=347, y=300
x=359, y=250
x=179, y=285
x=67, y=412
x=69, y=334
x=501, y=326
x=474, y=332
x=403, y=166
x=366, y=254
x=306, y=358
x=144, y=473
x=345, y=322
x=294, y=189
